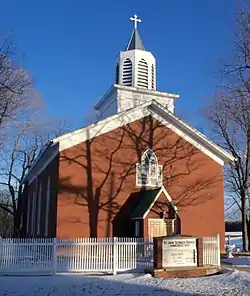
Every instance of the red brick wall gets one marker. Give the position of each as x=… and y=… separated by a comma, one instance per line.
x=96, y=178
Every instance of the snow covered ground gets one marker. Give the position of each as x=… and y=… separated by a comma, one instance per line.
x=238, y=261
x=231, y=282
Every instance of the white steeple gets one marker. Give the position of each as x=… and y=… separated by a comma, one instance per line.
x=135, y=66
x=135, y=82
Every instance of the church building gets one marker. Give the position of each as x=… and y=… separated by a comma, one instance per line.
x=139, y=171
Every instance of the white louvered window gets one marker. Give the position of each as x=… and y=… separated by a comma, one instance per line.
x=153, y=76
x=148, y=172
x=127, y=72
x=142, y=80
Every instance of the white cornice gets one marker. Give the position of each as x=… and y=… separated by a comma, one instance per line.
x=133, y=89
x=146, y=91
x=160, y=113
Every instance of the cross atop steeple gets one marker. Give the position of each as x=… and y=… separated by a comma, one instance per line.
x=135, y=41
x=135, y=20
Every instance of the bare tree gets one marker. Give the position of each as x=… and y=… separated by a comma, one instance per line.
x=18, y=97
x=27, y=140
x=229, y=113
x=6, y=220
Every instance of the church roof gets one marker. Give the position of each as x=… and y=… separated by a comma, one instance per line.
x=135, y=41
x=151, y=108
x=148, y=199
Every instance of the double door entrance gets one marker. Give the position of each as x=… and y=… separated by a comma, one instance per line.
x=160, y=227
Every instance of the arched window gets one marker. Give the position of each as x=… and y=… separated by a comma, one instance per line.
x=142, y=80
x=127, y=72
x=148, y=172
x=149, y=159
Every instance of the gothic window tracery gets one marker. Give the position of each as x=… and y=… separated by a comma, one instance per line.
x=148, y=172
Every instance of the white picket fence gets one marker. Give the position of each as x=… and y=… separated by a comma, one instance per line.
x=111, y=255
x=48, y=256
x=211, y=250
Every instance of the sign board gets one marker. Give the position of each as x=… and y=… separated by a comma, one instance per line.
x=179, y=252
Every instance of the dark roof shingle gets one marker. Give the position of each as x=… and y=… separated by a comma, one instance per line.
x=135, y=41
x=148, y=198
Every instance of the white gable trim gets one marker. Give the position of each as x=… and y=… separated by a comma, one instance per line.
x=188, y=139
x=101, y=128
x=169, y=198
x=118, y=120
x=156, y=198
x=199, y=140
x=96, y=129
x=167, y=118
x=162, y=190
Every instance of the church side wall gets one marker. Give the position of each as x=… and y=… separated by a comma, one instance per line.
x=98, y=176
x=32, y=229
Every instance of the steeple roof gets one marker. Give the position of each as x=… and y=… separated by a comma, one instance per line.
x=135, y=41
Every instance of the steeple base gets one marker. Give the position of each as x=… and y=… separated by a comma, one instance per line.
x=120, y=98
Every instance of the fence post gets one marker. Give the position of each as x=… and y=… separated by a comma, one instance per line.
x=54, y=256
x=218, y=248
x=115, y=255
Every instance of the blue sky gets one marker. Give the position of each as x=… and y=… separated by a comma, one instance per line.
x=70, y=47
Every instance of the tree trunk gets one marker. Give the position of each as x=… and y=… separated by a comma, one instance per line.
x=17, y=214
x=248, y=232
x=93, y=219
x=244, y=222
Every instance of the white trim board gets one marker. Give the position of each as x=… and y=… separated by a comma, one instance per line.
x=162, y=190
x=153, y=108
x=160, y=113
x=134, y=89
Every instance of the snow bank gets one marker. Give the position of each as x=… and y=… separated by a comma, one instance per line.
x=231, y=282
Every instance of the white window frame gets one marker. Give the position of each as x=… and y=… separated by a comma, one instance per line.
x=39, y=209
x=137, y=228
x=28, y=215
x=33, y=212
x=48, y=195
x=148, y=172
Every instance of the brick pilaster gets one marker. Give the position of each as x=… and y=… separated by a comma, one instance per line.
x=157, y=252
x=199, y=244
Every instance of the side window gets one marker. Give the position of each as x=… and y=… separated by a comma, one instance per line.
x=137, y=229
